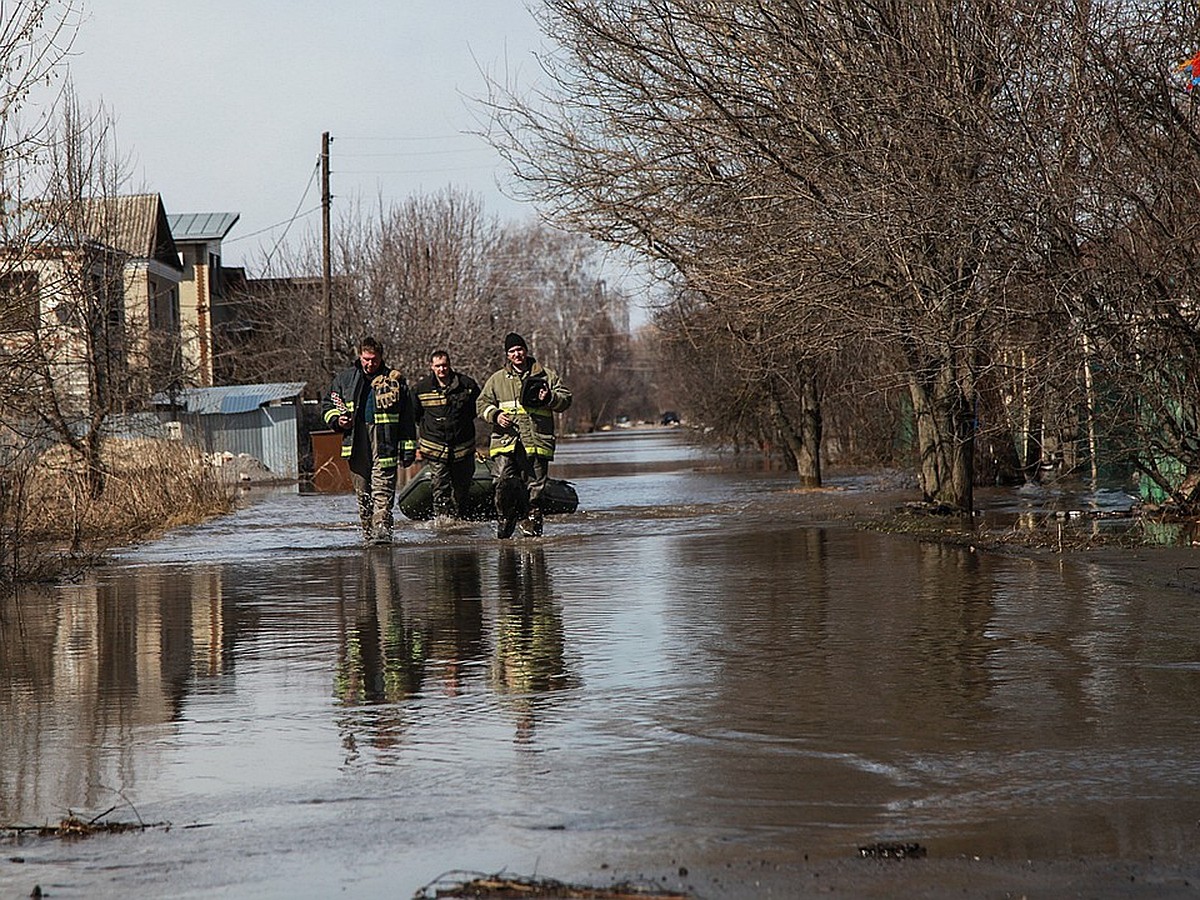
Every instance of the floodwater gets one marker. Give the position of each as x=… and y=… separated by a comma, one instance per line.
x=704, y=679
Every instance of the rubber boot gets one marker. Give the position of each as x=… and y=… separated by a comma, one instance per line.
x=531, y=525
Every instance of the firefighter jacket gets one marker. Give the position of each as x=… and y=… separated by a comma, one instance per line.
x=446, y=416
x=515, y=393
x=383, y=402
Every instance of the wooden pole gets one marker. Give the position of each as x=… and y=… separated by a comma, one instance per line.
x=326, y=277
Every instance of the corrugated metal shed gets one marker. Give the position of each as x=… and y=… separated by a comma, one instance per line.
x=211, y=226
x=260, y=420
x=232, y=398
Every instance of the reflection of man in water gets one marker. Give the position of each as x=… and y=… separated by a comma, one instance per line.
x=396, y=646
x=383, y=656
x=455, y=613
x=528, y=660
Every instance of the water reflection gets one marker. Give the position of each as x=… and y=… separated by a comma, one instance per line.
x=84, y=675
x=382, y=656
x=952, y=612
x=454, y=585
x=394, y=646
x=528, y=661
x=416, y=628
x=865, y=659
x=706, y=669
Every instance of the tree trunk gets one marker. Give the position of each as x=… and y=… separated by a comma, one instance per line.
x=945, y=440
x=804, y=441
x=93, y=465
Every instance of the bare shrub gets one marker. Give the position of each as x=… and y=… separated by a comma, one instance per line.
x=54, y=523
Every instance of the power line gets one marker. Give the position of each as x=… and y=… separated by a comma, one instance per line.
x=432, y=137
x=414, y=153
x=412, y=171
x=289, y=221
x=295, y=215
x=241, y=237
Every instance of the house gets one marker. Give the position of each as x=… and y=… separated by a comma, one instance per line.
x=138, y=227
x=91, y=291
x=42, y=305
x=204, y=289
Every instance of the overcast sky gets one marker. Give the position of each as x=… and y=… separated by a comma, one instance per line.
x=221, y=104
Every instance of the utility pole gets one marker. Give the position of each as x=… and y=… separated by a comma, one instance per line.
x=326, y=287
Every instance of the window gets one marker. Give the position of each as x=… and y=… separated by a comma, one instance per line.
x=19, y=301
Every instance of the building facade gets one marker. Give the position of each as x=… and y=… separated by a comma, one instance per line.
x=204, y=288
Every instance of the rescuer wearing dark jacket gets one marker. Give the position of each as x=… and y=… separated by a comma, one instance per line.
x=519, y=401
x=369, y=403
x=444, y=406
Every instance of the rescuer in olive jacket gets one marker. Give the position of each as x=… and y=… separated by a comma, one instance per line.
x=519, y=402
x=444, y=406
x=370, y=405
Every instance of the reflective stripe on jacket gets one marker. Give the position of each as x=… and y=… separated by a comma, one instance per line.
x=446, y=416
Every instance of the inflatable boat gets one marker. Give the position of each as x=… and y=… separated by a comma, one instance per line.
x=415, y=498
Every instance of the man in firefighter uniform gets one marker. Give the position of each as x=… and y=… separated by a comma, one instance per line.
x=519, y=402
x=444, y=407
x=370, y=405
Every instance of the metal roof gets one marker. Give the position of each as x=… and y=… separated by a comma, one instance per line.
x=231, y=399
x=212, y=226
x=134, y=224
x=129, y=223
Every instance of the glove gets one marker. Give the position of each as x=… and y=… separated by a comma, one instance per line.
x=387, y=388
x=343, y=413
x=407, y=458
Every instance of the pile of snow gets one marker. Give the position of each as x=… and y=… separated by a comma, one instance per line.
x=239, y=467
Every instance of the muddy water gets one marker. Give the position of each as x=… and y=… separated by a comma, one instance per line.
x=700, y=674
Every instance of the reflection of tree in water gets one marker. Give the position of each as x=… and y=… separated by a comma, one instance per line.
x=528, y=660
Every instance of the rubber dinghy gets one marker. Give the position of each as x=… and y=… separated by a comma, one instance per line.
x=415, y=499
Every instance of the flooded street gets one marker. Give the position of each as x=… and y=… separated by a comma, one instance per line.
x=703, y=679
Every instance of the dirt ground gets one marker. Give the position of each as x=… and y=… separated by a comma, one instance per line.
x=241, y=468
x=927, y=879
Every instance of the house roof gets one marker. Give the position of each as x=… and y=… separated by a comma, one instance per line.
x=135, y=224
x=230, y=399
x=210, y=226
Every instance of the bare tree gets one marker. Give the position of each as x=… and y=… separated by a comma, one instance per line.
x=577, y=322
x=914, y=180
x=435, y=272
x=76, y=361
x=35, y=40
x=271, y=330
x=1137, y=312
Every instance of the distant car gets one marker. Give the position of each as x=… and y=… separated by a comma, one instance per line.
x=670, y=417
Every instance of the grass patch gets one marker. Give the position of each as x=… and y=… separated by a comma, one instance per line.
x=53, y=522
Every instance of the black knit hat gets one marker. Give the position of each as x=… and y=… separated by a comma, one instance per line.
x=512, y=339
